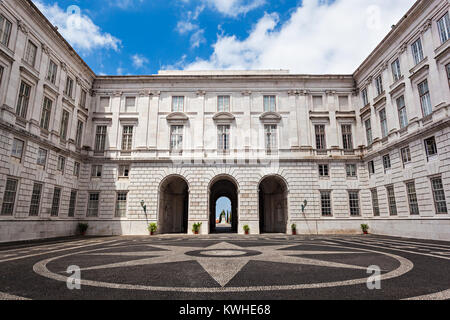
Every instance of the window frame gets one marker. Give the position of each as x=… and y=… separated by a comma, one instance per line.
x=425, y=98
x=270, y=103
x=127, y=138
x=326, y=205
x=402, y=112
x=392, y=201
x=35, y=202
x=223, y=138
x=320, y=134
x=42, y=163
x=118, y=202
x=56, y=202
x=443, y=25
x=442, y=194
x=396, y=70
x=176, y=103
x=7, y=194
x=93, y=205
x=417, y=51
x=357, y=201
x=375, y=202
x=4, y=40
x=413, y=201
x=226, y=107
x=14, y=150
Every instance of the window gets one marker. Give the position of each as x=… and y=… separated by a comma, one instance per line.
x=96, y=171
x=79, y=134
x=387, y=163
x=324, y=170
x=124, y=171
x=52, y=71
x=68, y=91
x=42, y=157
x=17, y=149
x=83, y=98
x=127, y=138
x=64, y=124
x=431, y=148
x=269, y=103
x=396, y=70
x=176, y=138
x=444, y=28
x=425, y=99
x=383, y=123
x=417, y=51
x=371, y=166
x=391, y=200
x=325, y=201
x=379, y=84
x=2, y=69
x=61, y=164
x=402, y=116
x=406, y=156
x=412, y=198
x=30, y=54
x=94, y=199
x=347, y=138
x=223, y=103
x=177, y=104
x=320, y=137
x=76, y=169
x=121, y=204
x=104, y=103
x=130, y=103
x=9, y=197
x=447, y=68
x=375, y=204
x=55, y=202
x=439, y=196
x=365, y=97
x=368, y=126
x=351, y=170
x=5, y=30
x=224, y=138
x=353, y=197
x=100, y=139
x=271, y=138
x=23, y=101
x=35, y=200
x=72, y=203
x=46, y=113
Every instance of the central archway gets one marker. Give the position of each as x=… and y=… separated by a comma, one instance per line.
x=273, y=204
x=173, y=205
x=223, y=186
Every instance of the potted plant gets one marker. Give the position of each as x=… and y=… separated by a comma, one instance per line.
x=294, y=229
x=365, y=228
x=196, y=227
x=247, y=229
x=152, y=228
x=82, y=228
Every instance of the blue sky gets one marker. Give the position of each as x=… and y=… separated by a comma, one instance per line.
x=144, y=36
x=222, y=204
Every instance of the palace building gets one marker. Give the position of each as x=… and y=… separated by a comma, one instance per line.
x=325, y=152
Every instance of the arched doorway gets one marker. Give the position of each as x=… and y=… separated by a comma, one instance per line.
x=173, y=205
x=273, y=205
x=223, y=187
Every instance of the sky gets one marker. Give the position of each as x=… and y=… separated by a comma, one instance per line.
x=140, y=37
x=222, y=204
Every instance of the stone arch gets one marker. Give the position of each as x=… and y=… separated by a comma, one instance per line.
x=273, y=194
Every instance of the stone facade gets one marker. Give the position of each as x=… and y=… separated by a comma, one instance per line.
x=143, y=138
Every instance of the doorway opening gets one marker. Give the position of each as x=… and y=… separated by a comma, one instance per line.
x=223, y=215
x=273, y=203
x=227, y=190
x=173, y=206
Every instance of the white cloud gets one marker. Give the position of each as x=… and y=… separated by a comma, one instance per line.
x=319, y=37
x=139, y=60
x=125, y=4
x=78, y=29
x=234, y=8
x=184, y=27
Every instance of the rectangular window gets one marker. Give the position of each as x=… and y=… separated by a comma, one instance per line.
x=439, y=196
x=79, y=134
x=130, y=103
x=383, y=123
x=94, y=199
x=325, y=201
x=42, y=157
x=64, y=124
x=412, y=198
x=391, y=200
x=5, y=30
x=223, y=138
x=127, y=138
x=353, y=197
x=72, y=203
x=9, y=197
x=176, y=138
x=23, y=101
x=444, y=28
x=402, y=115
x=379, y=84
x=320, y=138
x=406, y=156
x=76, y=169
x=371, y=166
x=351, y=170
x=425, y=100
x=365, y=97
x=417, y=51
x=396, y=70
x=61, y=164
x=100, y=139
x=431, y=148
x=324, y=170
x=121, y=205
x=269, y=103
x=447, y=69
x=83, y=98
x=17, y=149
x=223, y=103
x=46, y=113
x=387, y=163
x=177, y=104
x=68, y=91
x=375, y=204
x=52, y=71
x=124, y=171
x=55, y=202
x=368, y=126
x=271, y=138
x=96, y=171
x=35, y=200
x=347, y=137
x=30, y=54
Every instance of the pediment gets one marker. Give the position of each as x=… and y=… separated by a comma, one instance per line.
x=270, y=117
x=224, y=117
x=177, y=118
